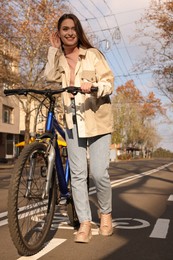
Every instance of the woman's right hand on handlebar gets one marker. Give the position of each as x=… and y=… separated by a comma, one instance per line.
x=86, y=87
x=55, y=40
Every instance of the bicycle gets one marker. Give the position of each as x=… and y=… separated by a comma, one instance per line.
x=38, y=181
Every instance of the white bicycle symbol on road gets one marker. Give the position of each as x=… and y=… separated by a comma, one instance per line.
x=121, y=223
x=130, y=223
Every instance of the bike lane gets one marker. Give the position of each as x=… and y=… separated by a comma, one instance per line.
x=142, y=222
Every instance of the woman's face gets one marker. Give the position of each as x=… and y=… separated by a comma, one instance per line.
x=67, y=33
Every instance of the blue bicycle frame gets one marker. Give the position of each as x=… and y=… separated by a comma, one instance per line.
x=52, y=126
x=63, y=174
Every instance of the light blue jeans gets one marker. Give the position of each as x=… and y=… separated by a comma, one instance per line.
x=98, y=148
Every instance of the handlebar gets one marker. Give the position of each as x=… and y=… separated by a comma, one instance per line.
x=47, y=92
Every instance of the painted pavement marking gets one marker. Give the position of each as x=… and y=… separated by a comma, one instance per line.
x=50, y=246
x=160, y=229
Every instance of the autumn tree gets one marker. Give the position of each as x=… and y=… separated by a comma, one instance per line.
x=133, y=115
x=155, y=34
x=27, y=25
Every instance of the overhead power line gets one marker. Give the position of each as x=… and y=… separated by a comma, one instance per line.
x=96, y=19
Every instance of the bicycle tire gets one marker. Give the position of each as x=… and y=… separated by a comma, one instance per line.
x=30, y=215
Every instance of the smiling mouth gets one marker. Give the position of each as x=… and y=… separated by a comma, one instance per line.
x=70, y=38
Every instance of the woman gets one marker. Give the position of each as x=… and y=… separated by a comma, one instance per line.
x=73, y=61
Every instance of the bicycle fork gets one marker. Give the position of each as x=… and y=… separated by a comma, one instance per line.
x=53, y=156
x=51, y=159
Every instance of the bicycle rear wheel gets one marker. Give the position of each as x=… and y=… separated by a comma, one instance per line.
x=30, y=214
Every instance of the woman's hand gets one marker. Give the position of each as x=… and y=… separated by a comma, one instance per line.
x=86, y=87
x=55, y=40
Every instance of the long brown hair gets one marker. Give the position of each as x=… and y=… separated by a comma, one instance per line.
x=83, y=40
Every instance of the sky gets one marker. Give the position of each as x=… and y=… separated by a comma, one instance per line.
x=111, y=25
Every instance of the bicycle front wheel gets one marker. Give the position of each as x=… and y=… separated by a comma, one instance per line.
x=30, y=213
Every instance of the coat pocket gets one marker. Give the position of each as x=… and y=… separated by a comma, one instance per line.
x=88, y=76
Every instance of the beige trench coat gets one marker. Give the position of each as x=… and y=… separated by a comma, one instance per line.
x=93, y=111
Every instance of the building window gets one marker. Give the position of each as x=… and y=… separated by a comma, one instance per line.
x=7, y=115
x=10, y=141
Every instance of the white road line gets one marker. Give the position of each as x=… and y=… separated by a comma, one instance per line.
x=170, y=198
x=160, y=229
x=3, y=222
x=131, y=178
x=113, y=184
x=50, y=246
x=3, y=214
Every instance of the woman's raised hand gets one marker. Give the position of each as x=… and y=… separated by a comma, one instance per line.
x=55, y=40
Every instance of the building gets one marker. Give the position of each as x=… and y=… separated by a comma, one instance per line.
x=9, y=106
x=9, y=126
x=12, y=114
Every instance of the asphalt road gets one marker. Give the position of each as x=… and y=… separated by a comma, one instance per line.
x=142, y=218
